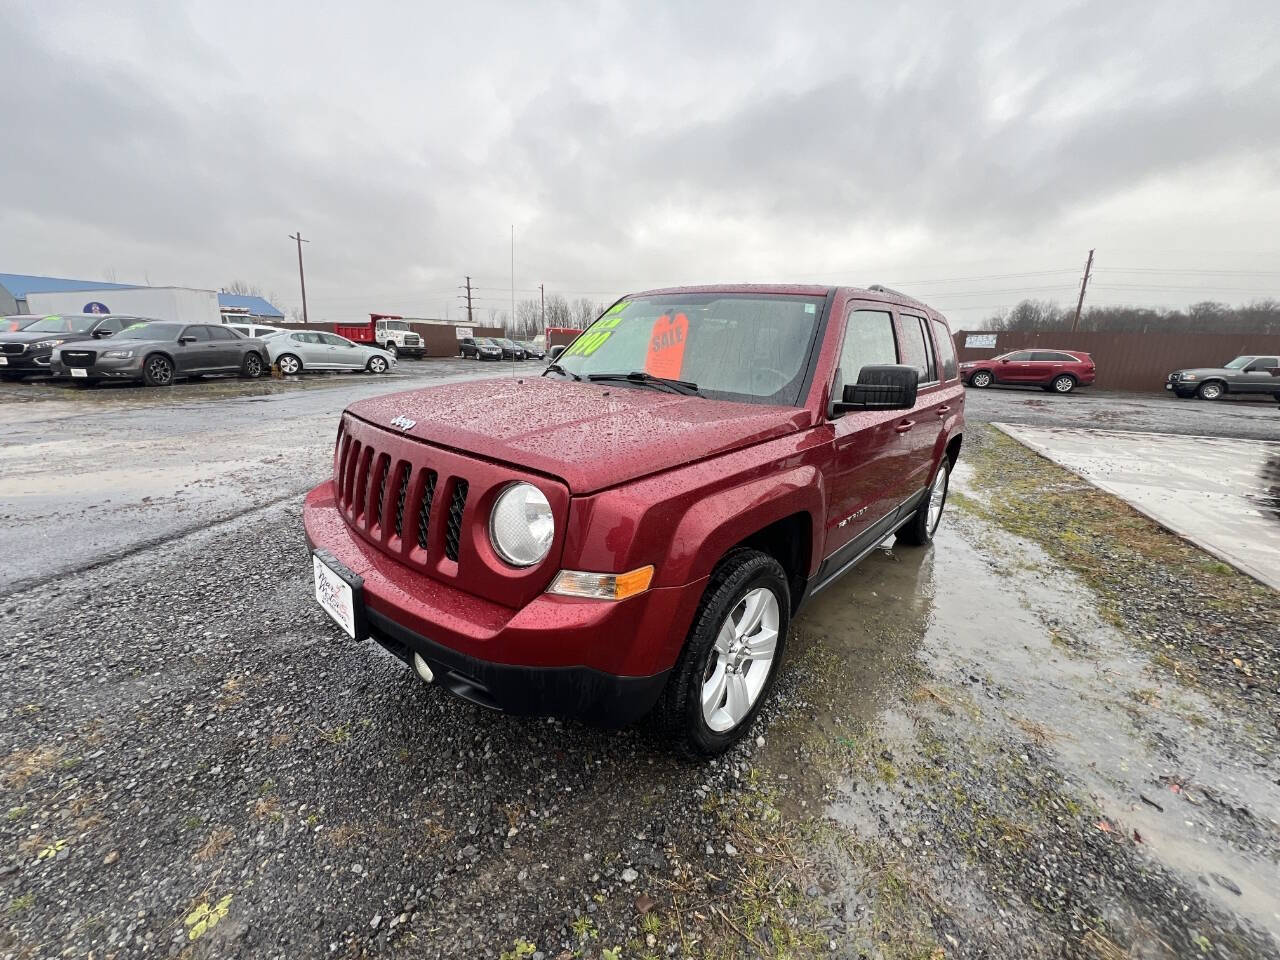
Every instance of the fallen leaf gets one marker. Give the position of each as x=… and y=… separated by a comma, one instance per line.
x=1105, y=827
x=1137, y=837
x=645, y=903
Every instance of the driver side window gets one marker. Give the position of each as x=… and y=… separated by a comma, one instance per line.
x=868, y=340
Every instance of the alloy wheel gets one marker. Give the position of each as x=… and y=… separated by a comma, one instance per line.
x=981, y=379
x=1063, y=384
x=288, y=365
x=377, y=365
x=938, y=497
x=741, y=659
x=160, y=370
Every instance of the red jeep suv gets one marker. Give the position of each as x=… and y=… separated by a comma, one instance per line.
x=1058, y=370
x=632, y=531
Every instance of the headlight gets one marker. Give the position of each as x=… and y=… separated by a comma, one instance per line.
x=521, y=526
x=1187, y=376
x=40, y=344
x=117, y=354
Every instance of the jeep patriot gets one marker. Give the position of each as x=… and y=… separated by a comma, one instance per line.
x=631, y=532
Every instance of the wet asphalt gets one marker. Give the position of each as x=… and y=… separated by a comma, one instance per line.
x=970, y=752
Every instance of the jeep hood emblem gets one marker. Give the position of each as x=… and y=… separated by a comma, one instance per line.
x=404, y=423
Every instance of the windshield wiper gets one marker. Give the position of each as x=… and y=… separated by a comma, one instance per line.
x=685, y=387
x=556, y=368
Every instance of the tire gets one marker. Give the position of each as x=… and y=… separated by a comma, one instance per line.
x=1210, y=390
x=982, y=378
x=289, y=364
x=391, y=348
x=1064, y=383
x=717, y=667
x=157, y=371
x=251, y=366
x=924, y=522
x=376, y=365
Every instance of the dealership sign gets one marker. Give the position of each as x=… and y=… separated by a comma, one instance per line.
x=461, y=332
x=980, y=341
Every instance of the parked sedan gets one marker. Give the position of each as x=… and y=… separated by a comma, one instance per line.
x=510, y=349
x=159, y=352
x=1248, y=374
x=29, y=349
x=1058, y=370
x=532, y=350
x=298, y=350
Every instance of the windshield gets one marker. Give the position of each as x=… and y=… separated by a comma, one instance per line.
x=485, y=342
x=748, y=347
x=150, y=331
x=506, y=343
x=1238, y=363
x=396, y=324
x=62, y=325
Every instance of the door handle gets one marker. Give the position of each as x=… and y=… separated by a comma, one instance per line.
x=943, y=410
x=904, y=426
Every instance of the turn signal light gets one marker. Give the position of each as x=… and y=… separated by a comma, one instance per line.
x=602, y=586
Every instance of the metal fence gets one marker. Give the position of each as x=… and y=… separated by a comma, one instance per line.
x=1126, y=361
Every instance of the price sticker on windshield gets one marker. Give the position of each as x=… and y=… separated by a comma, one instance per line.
x=666, y=346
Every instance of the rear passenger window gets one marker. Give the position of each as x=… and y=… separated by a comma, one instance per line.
x=916, y=351
x=221, y=333
x=946, y=349
x=868, y=340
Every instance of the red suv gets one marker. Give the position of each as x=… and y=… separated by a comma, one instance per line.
x=632, y=531
x=1058, y=370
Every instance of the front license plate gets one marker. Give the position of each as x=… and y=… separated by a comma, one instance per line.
x=79, y=372
x=4, y=361
x=335, y=595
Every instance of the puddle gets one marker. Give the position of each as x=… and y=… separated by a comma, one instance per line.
x=991, y=625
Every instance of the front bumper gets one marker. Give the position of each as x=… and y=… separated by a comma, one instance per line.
x=411, y=350
x=596, y=660
x=26, y=363
x=109, y=369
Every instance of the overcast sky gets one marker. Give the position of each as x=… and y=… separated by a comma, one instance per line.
x=971, y=158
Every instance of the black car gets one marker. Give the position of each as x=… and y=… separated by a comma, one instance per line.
x=1247, y=374
x=510, y=349
x=28, y=350
x=159, y=352
x=531, y=350
x=481, y=348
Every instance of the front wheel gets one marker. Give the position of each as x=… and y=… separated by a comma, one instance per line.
x=981, y=379
x=1211, y=390
x=289, y=364
x=251, y=368
x=391, y=348
x=1064, y=383
x=924, y=523
x=377, y=365
x=731, y=656
x=158, y=371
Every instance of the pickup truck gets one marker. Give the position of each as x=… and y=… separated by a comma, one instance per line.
x=631, y=532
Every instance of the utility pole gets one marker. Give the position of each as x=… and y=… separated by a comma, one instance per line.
x=1088, y=265
x=513, y=276
x=542, y=295
x=468, y=299
x=301, y=278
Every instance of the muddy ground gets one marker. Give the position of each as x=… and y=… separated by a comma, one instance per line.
x=1052, y=733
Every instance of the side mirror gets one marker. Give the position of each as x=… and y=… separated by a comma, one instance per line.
x=186, y=340
x=100, y=333
x=556, y=351
x=881, y=387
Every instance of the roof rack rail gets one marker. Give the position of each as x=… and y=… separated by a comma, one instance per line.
x=881, y=288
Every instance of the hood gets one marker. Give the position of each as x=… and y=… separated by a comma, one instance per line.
x=591, y=436
x=1204, y=371
x=26, y=336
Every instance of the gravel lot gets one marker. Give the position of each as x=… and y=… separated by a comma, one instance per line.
x=1030, y=740
x=1246, y=418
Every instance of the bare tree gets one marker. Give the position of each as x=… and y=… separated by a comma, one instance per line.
x=242, y=289
x=528, y=317
x=1208, y=316
x=584, y=312
x=559, y=313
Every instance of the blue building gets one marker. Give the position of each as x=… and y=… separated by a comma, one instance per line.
x=14, y=288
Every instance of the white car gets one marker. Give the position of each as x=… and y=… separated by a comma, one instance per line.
x=296, y=350
x=256, y=330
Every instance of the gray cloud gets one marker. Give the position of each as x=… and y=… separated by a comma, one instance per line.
x=634, y=147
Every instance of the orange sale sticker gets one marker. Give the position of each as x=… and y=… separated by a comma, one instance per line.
x=666, y=346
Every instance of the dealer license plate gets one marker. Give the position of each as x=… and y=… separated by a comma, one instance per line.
x=4, y=361
x=79, y=372
x=336, y=596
